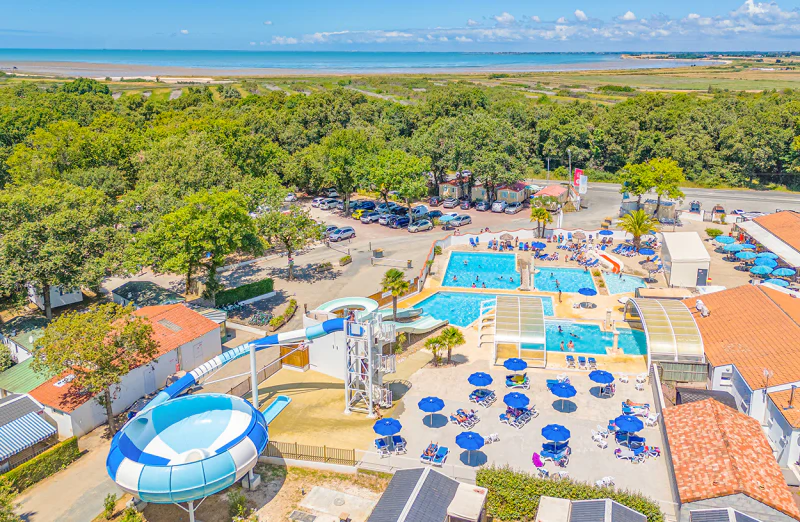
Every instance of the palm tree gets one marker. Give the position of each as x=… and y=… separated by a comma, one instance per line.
x=394, y=281
x=542, y=217
x=450, y=338
x=638, y=223
x=434, y=344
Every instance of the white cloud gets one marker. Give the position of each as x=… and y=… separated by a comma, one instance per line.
x=472, y=23
x=443, y=39
x=268, y=22
x=505, y=18
x=536, y=19
x=693, y=16
x=184, y=31
x=284, y=40
x=562, y=20
x=463, y=39
x=252, y=43
x=580, y=15
x=628, y=17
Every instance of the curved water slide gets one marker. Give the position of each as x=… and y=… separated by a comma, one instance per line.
x=366, y=306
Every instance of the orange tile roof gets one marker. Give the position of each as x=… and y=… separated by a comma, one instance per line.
x=753, y=328
x=784, y=225
x=173, y=326
x=781, y=400
x=552, y=190
x=717, y=451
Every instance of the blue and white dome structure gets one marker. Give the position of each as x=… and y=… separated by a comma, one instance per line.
x=185, y=448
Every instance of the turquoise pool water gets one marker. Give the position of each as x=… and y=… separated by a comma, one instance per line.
x=624, y=284
x=569, y=279
x=589, y=338
x=494, y=270
x=461, y=308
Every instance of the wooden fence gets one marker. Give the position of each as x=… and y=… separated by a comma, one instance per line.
x=386, y=299
x=292, y=450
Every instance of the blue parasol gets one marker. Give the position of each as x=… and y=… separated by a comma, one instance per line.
x=601, y=377
x=768, y=255
x=470, y=441
x=647, y=251
x=725, y=240
x=784, y=272
x=748, y=246
x=555, y=433
x=628, y=423
x=563, y=390
x=783, y=283
x=516, y=400
x=480, y=379
x=515, y=365
x=760, y=270
x=387, y=427
x=431, y=404
x=538, y=245
x=587, y=291
x=764, y=261
x=733, y=247
x=744, y=256
x=606, y=233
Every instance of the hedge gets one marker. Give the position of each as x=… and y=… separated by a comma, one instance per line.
x=43, y=465
x=514, y=495
x=713, y=232
x=244, y=292
x=279, y=320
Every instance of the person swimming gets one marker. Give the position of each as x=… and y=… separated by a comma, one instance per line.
x=511, y=279
x=573, y=335
x=558, y=285
x=466, y=262
x=477, y=278
x=483, y=285
x=560, y=330
x=455, y=278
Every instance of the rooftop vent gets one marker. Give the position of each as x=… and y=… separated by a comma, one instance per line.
x=166, y=323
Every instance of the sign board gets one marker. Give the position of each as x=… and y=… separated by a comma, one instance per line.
x=584, y=186
x=577, y=177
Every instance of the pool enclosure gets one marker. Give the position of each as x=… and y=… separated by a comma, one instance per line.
x=671, y=331
x=519, y=329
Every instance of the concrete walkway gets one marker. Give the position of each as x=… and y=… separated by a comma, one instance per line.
x=74, y=494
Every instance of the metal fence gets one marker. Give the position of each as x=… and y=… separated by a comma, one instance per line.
x=292, y=450
x=244, y=387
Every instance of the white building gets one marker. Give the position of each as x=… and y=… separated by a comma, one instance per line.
x=58, y=296
x=686, y=260
x=186, y=340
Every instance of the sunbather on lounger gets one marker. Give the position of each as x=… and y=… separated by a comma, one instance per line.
x=430, y=451
x=632, y=404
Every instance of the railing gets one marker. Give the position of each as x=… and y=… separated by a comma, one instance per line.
x=293, y=450
x=244, y=387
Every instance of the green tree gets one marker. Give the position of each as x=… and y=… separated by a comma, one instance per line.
x=397, y=170
x=85, y=86
x=6, y=361
x=344, y=157
x=7, y=504
x=451, y=337
x=637, y=180
x=394, y=281
x=542, y=217
x=55, y=234
x=434, y=344
x=98, y=347
x=206, y=229
x=669, y=178
x=638, y=224
x=108, y=180
x=292, y=230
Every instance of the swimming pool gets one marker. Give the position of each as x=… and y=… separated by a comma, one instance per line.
x=621, y=285
x=589, y=338
x=569, y=279
x=493, y=270
x=461, y=308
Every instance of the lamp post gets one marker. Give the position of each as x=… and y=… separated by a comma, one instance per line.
x=767, y=374
x=569, y=154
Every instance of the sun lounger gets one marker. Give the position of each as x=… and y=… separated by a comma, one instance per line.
x=382, y=447
x=399, y=445
x=472, y=243
x=441, y=456
x=427, y=456
x=605, y=482
x=592, y=363
x=570, y=361
x=513, y=381
x=582, y=363
x=633, y=455
x=651, y=419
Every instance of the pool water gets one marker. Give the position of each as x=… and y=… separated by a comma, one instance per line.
x=569, y=279
x=461, y=308
x=589, y=338
x=624, y=284
x=495, y=270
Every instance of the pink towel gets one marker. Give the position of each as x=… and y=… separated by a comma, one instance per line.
x=537, y=460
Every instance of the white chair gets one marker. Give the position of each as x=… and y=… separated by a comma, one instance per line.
x=597, y=435
x=641, y=378
x=623, y=378
x=561, y=475
x=651, y=419
x=494, y=437
x=603, y=431
x=605, y=482
x=639, y=386
x=601, y=443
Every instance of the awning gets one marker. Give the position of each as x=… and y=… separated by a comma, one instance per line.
x=672, y=334
x=771, y=242
x=23, y=433
x=519, y=319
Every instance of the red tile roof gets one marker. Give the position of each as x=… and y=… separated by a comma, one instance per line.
x=173, y=326
x=717, y=451
x=552, y=190
x=754, y=328
x=516, y=187
x=456, y=182
x=784, y=225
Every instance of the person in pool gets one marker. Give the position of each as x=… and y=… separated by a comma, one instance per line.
x=560, y=330
x=511, y=279
x=474, y=285
x=455, y=278
x=571, y=346
x=573, y=335
x=466, y=262
x=483, y=285
x=562, y=346
x=558, y=285
x=477, y=278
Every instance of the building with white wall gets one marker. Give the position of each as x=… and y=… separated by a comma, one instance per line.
x=58, y=296
x=686, y=260
x=186, y=340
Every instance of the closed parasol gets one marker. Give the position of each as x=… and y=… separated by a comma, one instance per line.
x=650, y=266
x=579, y=235
x=506, y=237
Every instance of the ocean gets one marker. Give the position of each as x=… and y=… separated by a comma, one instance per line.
x=338, y=61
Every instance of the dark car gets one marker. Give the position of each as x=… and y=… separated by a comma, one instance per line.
x=400, y=222
x=363, y=205
x=435, y=201
x=434, y=214
x=370, y=217
x=450, y=203
x=465, y=204
x=482, y=205
x=400, y=211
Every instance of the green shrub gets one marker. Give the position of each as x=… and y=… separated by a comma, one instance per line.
x=43, y=465
x=327, y=265
x=109, y=503
x=291, y=309
x=596, y=273
x=437, y=250
x=244, y=292
x=345, y=259
x=615, y=88
x=237, y=503
x=514, y=495
x=131, y=515
x=277, y=321
x=713, y=232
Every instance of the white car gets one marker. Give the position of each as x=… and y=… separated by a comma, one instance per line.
x=316, y=201
x=328, y=204
x=461, y=221
x=291, y=196
x=419, y=211
x=513, y=208
x=447, y=217
x=499, y=206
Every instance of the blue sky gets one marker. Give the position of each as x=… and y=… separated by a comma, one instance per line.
x=412, y=25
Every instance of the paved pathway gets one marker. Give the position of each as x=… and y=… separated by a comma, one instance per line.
x=76, y=493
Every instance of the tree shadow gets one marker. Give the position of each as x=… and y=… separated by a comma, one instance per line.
x=564, y=406
x=306, y=274
x=399, y=388
x=458, y=358
x=473, y=458
x=435, y=420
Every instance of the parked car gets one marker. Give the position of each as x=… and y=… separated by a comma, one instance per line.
x=370, y=216
x=420, y=226
x=482, y=205
x=399, y=211
x=419, y=211
x=331, y=193
x=737, y=212
x=465, y=204
x=446, y=218
x=400, y=222
x=450, y=203
x=363, y=205
x=435, y=201
x=316, y=201
x=386, y=207
x=513, y=208
x=499, y=206
x=330, y=229
x=357, y=213
x=385, y=217
x=291, y=196
x=434, y=214
x=343, y=233
x=460, y=221
x=327, y=204
x=533, y=189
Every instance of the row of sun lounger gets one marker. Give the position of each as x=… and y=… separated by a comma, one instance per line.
x=397, y=446
x=434, y=454
x=583, y=362
x=465, y=419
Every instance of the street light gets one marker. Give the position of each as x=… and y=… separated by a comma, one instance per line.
x=569, y=153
